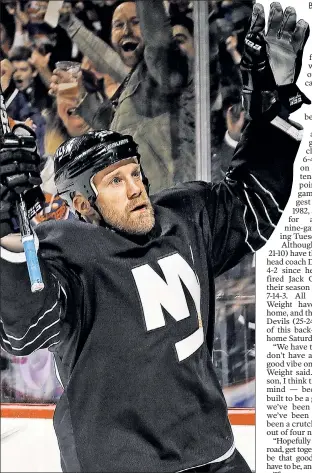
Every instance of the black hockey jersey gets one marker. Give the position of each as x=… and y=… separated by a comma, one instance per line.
x=130, y=319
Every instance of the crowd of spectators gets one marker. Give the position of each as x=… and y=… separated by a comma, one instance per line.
x=137, y=77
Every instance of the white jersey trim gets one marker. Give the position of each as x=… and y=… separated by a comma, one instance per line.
x=32, y=341
x=267, y=192
x=227, y=455
x=34, y=325
x=266, y=212
x=247, y=233
x=255, y=215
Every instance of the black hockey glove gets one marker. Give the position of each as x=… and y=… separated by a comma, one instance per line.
x=271, y=63
x=19, y=172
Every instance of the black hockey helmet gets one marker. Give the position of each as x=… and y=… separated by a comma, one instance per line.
x=78, y=159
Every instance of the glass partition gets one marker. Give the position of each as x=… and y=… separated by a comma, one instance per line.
x=188, y=74
x=234, y=347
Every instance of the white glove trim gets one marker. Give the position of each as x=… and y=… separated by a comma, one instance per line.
x=288, y=128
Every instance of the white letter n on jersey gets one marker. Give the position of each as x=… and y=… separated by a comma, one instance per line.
x=156, y=294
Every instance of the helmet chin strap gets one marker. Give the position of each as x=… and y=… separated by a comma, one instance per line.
x=92, y=201
x=100, y=217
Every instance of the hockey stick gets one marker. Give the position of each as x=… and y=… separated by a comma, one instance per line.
x=25, y=228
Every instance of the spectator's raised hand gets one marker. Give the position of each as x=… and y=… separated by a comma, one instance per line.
x=60, y=77
x=6, y=70
x=29, y=122
x=36, y=10
x=231, y=43
x=38, y=60
x=16, y=11
x=68, y=90
x=235, y=119
x=231, y=46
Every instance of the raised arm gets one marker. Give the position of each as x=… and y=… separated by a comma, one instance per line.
x=28, y=321
x=166, y=63
x=243, y=210
x=238, y=214
x=104, y=58
x=247, y=205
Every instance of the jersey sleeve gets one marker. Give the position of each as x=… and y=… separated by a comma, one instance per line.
x=241, y=212
x=30, y=321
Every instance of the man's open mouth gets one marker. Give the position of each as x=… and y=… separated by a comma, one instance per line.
x=139, y=207
x=129, y=46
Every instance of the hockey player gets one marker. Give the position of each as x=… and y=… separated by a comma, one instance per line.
x=128, y=304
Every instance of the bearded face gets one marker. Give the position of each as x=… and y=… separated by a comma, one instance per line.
x=122, y=198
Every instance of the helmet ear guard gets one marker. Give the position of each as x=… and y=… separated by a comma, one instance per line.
x=145, y=181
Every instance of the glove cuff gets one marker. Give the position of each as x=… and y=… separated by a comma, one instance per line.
x=289, y=127
x=262, y=105
x=291, y=97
